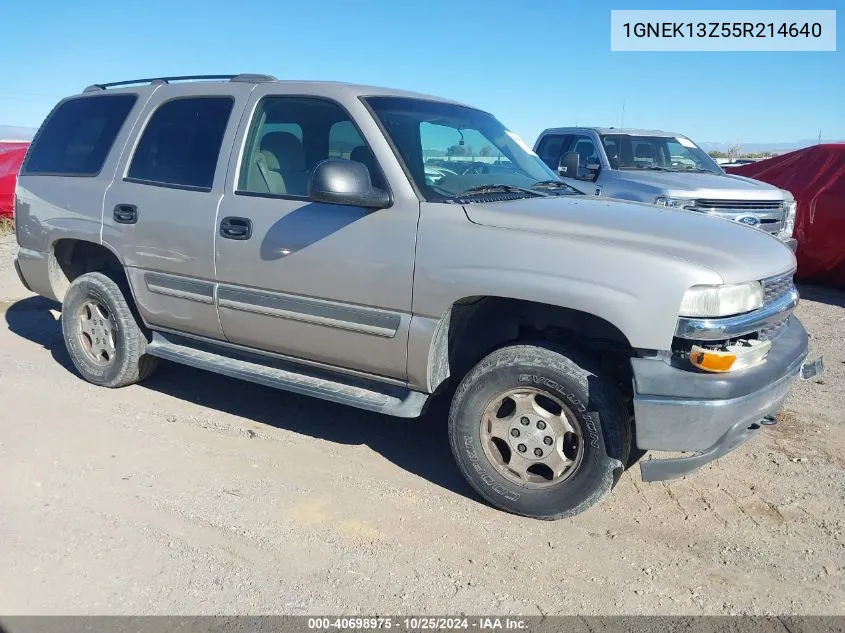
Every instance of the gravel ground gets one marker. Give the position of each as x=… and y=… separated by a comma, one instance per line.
x=197, y=494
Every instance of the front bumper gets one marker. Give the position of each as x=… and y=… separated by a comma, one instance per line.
x=676, y=409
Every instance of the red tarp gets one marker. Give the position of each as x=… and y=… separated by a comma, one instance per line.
x=816, y=177
x=11, y=157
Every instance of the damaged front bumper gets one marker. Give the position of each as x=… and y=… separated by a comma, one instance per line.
x=711, y=414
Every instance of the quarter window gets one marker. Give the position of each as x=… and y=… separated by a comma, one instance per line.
x=181, y=144
x=78, y=135
x=289, y=136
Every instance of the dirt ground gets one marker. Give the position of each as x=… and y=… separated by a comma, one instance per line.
x=198, y=494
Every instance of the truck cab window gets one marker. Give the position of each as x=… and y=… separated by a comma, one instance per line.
x=289, y=135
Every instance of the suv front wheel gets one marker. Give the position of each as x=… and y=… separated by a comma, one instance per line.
x=538, y=431
x=103, y=337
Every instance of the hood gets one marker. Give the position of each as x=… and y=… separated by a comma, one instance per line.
x=733, y=251
x=718, y=186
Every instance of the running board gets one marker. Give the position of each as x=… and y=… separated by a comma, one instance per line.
x=277, y=373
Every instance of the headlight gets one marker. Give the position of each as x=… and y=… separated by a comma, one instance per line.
x=724, y=300
x=677, y=203
x=789, y=220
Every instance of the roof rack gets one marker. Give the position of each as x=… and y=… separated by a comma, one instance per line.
x=243, y=77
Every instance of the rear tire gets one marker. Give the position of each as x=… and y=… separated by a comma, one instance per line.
x=102, y=336
x=538, y=431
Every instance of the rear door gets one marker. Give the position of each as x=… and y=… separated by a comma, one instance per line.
x=159, y=211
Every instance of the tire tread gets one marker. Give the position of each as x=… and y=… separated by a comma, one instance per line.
x=616, y=431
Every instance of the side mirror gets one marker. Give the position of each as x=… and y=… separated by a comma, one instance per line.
x=338, y=181
x=592, y=171
x=568, y=165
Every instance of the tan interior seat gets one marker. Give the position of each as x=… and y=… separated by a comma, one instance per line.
x=281, y=163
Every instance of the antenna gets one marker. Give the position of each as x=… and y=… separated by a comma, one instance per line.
x=820, y=138
x=622, y=124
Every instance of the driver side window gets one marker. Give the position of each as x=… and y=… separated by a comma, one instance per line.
x=587, y=154
x=289, y=136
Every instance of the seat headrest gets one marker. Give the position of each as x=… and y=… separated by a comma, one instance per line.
x=282, y=151
x=644, y=151
x=362, y=154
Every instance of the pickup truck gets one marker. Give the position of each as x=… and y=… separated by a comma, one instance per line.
x=383, y=249
x=667, y=169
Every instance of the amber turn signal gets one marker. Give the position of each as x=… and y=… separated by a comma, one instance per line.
x=737, y=356
x=712, y=361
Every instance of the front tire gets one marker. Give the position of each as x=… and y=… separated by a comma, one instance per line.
x=538, y=431
x=102, y=336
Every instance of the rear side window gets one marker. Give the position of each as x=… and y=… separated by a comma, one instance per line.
x=181, y=144
x=78, y=135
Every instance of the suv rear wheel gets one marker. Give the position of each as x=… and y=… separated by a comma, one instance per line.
x=103, y=337
x=538, y=431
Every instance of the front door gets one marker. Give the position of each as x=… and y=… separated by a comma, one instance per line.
x=554, y=146
x=320, y=282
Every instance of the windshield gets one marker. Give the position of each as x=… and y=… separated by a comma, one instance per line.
x=448, y=149
x=664, y=153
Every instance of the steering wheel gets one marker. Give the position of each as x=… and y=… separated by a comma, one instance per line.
x=477, y=170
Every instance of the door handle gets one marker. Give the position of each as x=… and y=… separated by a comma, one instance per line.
x=236, y=228
x=126, y=214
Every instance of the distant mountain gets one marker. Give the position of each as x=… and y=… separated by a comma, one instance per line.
x=764, y=147
x=14, y=133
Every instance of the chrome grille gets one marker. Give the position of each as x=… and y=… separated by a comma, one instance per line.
x=769, y=212
x=773, y=289
x=776, y=287
x=740, y=205
x=773, y=331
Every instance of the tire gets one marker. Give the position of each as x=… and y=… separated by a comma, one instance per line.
x=103, y=337
x=538, y=376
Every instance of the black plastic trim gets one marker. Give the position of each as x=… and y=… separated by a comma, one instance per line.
x=167, y=185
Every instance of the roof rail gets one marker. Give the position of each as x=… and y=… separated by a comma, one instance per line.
x=243, y=77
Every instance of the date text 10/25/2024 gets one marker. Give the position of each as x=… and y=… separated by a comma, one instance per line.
x=418, y=623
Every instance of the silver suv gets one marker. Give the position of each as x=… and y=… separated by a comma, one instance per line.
x=381, y=249
x=666, y=169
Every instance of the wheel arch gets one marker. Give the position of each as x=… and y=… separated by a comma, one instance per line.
x=72, y=257
x=474, y=326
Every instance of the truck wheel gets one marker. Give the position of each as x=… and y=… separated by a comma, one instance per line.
x=103, y=338
x=538, y=431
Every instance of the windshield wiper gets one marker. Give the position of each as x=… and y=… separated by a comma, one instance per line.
x=554, y=184
x=652, y=167
x=482, y=190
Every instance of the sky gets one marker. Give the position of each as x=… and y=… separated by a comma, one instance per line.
x=534, y=64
